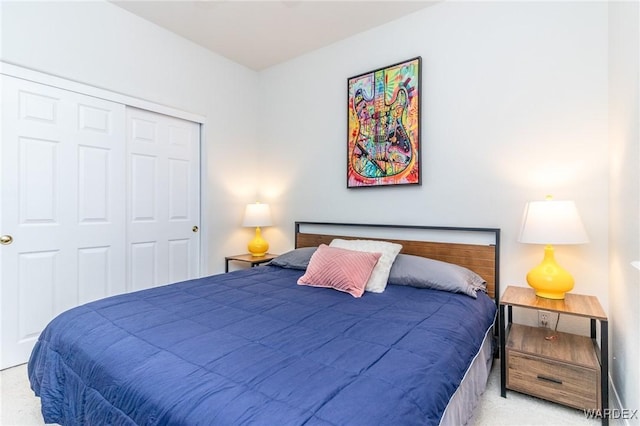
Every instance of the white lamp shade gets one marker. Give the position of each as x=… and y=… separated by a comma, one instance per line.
x=256, y=215
x=552, y=222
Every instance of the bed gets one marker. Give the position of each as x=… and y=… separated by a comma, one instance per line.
x=256, y=347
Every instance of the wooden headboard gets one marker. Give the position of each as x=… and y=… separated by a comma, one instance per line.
x=482, y=258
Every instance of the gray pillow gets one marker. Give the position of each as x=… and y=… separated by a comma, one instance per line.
x=416, y=271
x=294, y=259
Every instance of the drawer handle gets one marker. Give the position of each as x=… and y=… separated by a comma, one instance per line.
x=550, y=379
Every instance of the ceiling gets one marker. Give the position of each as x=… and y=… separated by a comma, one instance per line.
x=259, y=34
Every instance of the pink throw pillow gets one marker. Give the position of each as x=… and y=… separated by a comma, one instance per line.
x=340, y=269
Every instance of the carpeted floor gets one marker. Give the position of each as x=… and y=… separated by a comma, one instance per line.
x=21, y=408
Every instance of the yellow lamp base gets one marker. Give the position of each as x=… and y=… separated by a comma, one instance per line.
x=258, y=247
x=548, y=279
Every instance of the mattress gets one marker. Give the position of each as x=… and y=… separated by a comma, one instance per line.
x=252, y=347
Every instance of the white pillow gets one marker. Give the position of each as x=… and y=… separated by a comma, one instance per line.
x=378, y=280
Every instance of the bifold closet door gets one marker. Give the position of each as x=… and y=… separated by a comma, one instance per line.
x=163, y=190
x=62, y=218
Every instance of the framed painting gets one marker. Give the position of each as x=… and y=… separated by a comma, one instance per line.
x=383, y=132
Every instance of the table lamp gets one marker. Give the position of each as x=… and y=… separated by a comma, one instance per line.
x=551, y=222
x=257, y=215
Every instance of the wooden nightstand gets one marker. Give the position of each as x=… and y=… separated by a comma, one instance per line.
x=568, y=369
x=248, y=258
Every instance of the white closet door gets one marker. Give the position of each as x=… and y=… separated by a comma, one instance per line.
x=63, y=204
x=163, y=213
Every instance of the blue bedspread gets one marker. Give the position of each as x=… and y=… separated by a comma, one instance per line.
x=252, y=347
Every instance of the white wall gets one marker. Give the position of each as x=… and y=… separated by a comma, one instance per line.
x=100, y=44
x=624, y=201
x=514, y=107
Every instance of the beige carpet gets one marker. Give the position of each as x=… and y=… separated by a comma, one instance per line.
x=21, y=408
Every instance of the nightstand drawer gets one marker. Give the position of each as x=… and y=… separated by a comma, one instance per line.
x=573, y=385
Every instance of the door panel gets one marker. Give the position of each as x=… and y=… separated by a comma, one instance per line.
x=94, y=273
x=37, y=275
x=144, y=265
x=93, y=185
x=38, y=175
x=178, y=197
x=179, y=260
x=143, y=191
x=38, y=107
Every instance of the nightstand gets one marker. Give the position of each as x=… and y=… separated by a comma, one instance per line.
x=561, y=367
x=248, y=258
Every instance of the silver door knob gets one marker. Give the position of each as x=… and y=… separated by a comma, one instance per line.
x=195, y=229
x=6, y=239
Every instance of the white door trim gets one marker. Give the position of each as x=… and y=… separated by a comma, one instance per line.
x=96, y=92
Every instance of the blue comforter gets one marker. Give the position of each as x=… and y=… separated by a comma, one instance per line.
x=252, y=347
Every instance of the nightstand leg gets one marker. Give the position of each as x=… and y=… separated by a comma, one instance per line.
x=604, y=371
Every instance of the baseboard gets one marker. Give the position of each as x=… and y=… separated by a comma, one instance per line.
x=616, y=406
